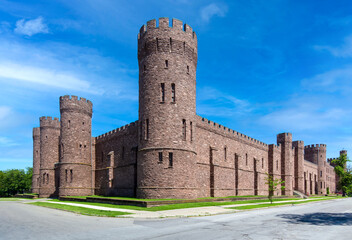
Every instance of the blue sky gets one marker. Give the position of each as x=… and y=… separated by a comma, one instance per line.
x=264, y=67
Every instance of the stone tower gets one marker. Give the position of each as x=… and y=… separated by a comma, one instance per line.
x=167, y=57
x=75, y=165
x=287, y=171
x=36, y=160
x=49, y=154
x=316, y=153
x=298, y=165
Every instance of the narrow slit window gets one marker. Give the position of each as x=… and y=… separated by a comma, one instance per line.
x=160, y=157
x=166, y=63
x=123, y=153
x=262, y=162
x=68, y=123
x=47, y=178
x=184, y=129
x=71, y=175
x=246, y=159
x=144, y=68
x=140, y=130
x=66, y=175
x=225, y=153
x=191, y=131
x=187, y=69
x=173, y=92
x=146, y=134
x=157, y=43
x=43, y=178
x=171, y=159
x=184, y=46
x=162, y=89
x=277, y=165
x=170, y=44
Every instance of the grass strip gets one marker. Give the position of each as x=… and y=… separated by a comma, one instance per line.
x=11, y=199
x=174, y=206
x=275, y=204
x=80, y=210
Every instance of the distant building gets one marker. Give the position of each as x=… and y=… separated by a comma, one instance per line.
x=170, y=152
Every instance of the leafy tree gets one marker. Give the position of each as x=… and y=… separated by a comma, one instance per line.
x=15, y=181
x=273, y=185
x=345, y=182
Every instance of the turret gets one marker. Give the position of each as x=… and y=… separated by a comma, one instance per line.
x=316, y=153
x=167, y=57
x=49, y=154
x=298, y=165
x=36, y=160
x=75, y=165
x=287, y=171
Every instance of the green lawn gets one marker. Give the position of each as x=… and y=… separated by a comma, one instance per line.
x=11, y=199
x=276, y=204
x=176, y=206
x=80, y=210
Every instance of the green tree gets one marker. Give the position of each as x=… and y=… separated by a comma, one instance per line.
x=15, y=181
x=345, y=182
x=273, y=185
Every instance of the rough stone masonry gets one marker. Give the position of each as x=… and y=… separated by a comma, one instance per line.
x=170, y=151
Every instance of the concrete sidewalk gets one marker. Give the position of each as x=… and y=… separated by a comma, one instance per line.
x=184, y=212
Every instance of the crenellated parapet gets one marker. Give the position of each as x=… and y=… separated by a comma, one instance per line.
x=159, y=36
x=315, y=147
x=49, y=122
x=225, y=131
x=116, y=132
x=75, y=104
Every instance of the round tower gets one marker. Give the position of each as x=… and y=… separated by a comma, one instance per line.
x=49, y=154
x=36, y=160
x=167, y=57
x=75, y=166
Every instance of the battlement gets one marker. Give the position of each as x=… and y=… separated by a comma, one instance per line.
x=320, y=147
x=49, y=122
x=73, y=103
x=117, y=131
x=298, y=144
x=229, y=132
x=36, y=132
x=163, y=24
x=176, y=39
x=284, y=137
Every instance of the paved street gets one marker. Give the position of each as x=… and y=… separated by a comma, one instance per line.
x=321, y=220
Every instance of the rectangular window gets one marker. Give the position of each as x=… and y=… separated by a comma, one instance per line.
x=171, y=160
x=191, y=130
x=160, y=157
x=146, y=134
x=184, y=129
x=162, y=89
x=173, y=92
x=321, y=173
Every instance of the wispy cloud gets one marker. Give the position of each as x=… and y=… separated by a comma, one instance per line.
x=212, y=10
x=31, y=27
x=48, y=77
x=4, y=112
x=345, y=50
x=6, y=142
x=213, y=102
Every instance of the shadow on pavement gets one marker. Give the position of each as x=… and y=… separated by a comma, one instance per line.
x=323, y=219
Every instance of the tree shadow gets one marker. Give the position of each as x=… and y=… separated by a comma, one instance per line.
x=322, y=219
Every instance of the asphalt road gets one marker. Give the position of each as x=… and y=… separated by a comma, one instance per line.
x=322, y=220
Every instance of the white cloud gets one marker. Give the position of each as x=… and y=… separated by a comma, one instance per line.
x=212, y=10
x=4, y=112
x=31, y=27
x=345, y=50
x=6, y=142
x=48, y=77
